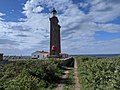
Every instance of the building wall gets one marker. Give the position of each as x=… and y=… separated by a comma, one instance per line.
x=64, y=55
x=38, y=55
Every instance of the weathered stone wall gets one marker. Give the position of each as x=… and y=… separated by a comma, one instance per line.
x=69, y=62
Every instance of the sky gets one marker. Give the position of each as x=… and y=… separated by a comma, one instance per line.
x=87, y=26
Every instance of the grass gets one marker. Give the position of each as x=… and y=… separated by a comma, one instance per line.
x=70, y=80
x=99, y=74
x=30, y=75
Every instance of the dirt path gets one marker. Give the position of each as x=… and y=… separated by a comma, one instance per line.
x=62, y=81
x=77, y=85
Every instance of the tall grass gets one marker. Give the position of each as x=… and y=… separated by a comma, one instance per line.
x=29, y=75
x=99, y=74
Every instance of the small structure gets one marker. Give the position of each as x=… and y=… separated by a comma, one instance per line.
x=1, y=56
x=63, y=55
x=39, y=55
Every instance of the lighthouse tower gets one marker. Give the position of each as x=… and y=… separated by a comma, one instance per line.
x=55, y=45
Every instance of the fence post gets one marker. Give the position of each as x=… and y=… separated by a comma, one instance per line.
x=1, y=56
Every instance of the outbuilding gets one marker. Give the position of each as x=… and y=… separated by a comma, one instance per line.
x=63, y=55
x=39, y=55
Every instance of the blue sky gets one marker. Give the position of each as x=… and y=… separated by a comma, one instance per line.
x=12, y=9
x=87, y=27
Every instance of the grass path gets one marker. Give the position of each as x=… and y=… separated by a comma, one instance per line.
x=76, y=79
x=62, y=82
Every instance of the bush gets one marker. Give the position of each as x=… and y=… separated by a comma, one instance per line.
x=29, y=75
x=99, y=74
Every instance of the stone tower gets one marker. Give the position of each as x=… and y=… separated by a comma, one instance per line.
x=55, y=45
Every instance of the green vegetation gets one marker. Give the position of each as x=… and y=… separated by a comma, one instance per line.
x=29, y=75
x=99, y=74
x=70, y=80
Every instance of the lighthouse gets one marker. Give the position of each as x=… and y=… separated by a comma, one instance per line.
x=55, y=44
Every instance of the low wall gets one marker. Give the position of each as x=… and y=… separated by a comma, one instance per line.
x=69, y=62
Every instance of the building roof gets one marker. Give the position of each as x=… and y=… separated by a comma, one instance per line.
x=42, y=52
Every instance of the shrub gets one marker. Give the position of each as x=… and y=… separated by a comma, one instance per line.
x=29, y=75
x=99, y=74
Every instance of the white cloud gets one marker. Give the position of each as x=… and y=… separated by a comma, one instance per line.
x=83, y=5
x=2, y=14
x=77, y=28
x=1, y=19
x=37, y=9
x=104, y=10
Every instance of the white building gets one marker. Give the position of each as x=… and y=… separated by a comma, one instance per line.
x=39, y=55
